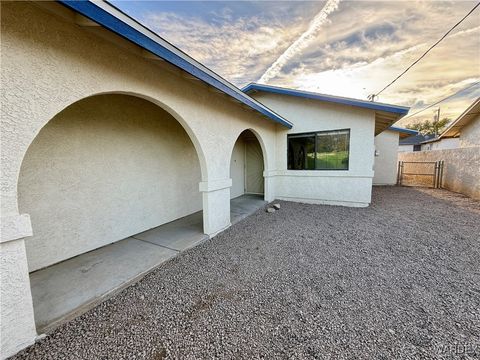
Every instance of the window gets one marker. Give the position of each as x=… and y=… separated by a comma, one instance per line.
x=326, y=150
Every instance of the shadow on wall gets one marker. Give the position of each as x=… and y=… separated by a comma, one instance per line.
x=103, y=169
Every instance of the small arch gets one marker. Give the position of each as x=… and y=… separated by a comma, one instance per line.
x=248, y=162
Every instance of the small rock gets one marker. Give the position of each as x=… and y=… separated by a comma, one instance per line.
x=270, y=210
x=276, y=206
x=40, y=337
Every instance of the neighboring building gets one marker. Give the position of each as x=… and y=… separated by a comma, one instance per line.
x=459, y=149
x=440, y=144
x=386, y=154
x=462, y=132
x=413, y=143
x=108, y=130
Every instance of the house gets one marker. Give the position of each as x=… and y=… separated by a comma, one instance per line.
x=413, y=142
x=462, y=132
x=308, y=110
x=386, y=154
x=108, y=131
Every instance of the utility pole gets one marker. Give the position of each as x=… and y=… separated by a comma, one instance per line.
x=436, y=121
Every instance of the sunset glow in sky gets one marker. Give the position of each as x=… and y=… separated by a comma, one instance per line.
x=347, y=48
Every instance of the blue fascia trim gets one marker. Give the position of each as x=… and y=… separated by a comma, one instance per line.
x=403, y=130
x=110, y=22
x=400, y=110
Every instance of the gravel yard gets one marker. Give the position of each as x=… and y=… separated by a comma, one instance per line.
x=397, y=280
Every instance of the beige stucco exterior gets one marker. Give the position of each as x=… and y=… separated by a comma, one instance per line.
x=49, y=63
x=461, y=168
x=350, y=187
x=386, y=153
x=470, y=133
x=91, y=124
x=118, y=160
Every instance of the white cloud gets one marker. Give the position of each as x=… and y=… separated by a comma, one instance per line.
x=302, y=41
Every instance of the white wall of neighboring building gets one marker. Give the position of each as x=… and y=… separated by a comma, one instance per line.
x=470, y=133
x=350, y=187
x=385, y=167
x=442, y=144
x=105, y=168
x=405, y=148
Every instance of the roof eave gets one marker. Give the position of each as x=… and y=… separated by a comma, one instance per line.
x=101, y=13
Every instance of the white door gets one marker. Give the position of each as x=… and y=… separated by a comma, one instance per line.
x=253, y=168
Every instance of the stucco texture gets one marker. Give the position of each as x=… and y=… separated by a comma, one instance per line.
x=461, y=167
x=49, y=63
x=470, y=133
x=105, y=168
x=351, y=187
x=386, y=164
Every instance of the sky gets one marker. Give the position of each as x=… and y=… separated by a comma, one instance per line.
x=345, y=48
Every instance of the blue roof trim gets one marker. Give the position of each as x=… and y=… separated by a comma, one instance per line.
x=399, y=110
x=109, y=21
x=402, y=130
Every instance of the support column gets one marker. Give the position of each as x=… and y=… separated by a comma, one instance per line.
x=269, y=179
x=216, y=205
x=16, y=307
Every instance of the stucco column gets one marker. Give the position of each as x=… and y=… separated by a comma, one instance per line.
x=216, y=205
x=16, y=307
x=269, y=179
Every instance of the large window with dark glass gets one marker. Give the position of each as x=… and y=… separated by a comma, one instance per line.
x=325, y=150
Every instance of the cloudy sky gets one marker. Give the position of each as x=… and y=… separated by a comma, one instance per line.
x=347, y=48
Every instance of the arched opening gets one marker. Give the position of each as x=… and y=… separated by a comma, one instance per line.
x=247, y=165
x=111, y=186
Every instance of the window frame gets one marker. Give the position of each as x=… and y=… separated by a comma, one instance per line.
x=314, y=133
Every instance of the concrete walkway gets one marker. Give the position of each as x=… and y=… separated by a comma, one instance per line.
x=68, y=289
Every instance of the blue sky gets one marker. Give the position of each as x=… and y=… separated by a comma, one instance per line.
x=353, y=48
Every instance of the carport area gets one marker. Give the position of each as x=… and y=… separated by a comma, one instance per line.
x=399, y=279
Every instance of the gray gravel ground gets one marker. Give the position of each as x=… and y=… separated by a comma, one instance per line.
x=397, y=280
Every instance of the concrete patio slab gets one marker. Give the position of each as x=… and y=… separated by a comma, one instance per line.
x=177, y=235
x=66, y=288
x=245, y=205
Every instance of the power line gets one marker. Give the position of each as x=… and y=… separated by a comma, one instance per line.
x=442, y=100
x=426, y=52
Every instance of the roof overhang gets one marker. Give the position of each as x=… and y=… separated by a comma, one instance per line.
x=453, y=130
x=402, y=132
x=385, y=114
x=113, y=19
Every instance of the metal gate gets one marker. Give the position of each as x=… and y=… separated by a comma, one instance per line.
x=420, y=173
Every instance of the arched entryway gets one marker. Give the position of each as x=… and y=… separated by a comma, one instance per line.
x=247, y=166
x=111, y=186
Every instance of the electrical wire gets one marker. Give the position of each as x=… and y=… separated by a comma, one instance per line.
x=430, y=48
x=442, y=100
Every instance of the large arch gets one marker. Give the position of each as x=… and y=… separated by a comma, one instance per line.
x=42, y=197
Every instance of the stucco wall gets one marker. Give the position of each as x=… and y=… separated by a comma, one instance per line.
x=105, y=168
x=49, y=63
x=470, y=134
x=461, y=167
x=237, y=169
x=442, y=144
x=351, y=187
x=385, y=167
x=402, y=148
